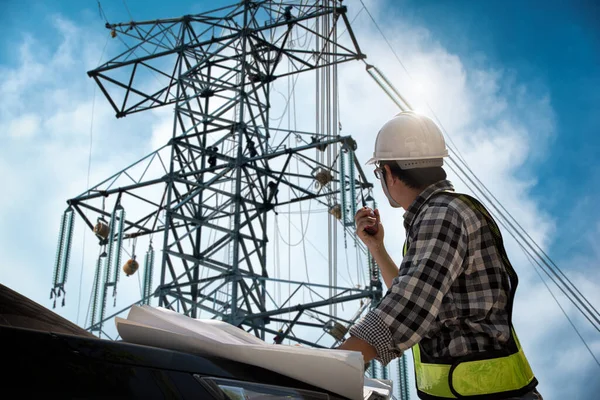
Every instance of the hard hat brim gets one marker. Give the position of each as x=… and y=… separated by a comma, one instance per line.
x=374, y=160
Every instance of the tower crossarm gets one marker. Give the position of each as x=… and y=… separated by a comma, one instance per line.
x=203, y=50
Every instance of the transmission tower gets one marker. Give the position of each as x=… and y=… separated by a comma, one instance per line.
x=202, y=201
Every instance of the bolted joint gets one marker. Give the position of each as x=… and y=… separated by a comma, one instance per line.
x=206, y=93
x=261, y=77
x=349, y=144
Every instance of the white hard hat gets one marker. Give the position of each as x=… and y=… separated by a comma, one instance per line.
x=411, y=139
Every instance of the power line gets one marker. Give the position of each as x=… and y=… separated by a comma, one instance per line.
x=127, y=8
x=560, y=306
x=101, y=12
x=88, y=180
x=351, y=22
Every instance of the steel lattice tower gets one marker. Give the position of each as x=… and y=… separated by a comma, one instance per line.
x=208, y=192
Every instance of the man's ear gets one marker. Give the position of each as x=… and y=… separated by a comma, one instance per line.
x=390, y=178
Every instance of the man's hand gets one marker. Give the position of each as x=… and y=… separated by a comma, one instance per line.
x=364, y=219
x=356, y=344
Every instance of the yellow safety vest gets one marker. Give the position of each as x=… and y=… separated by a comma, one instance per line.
x=486, y=375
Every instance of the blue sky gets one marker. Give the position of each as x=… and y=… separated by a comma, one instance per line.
x=515, y=84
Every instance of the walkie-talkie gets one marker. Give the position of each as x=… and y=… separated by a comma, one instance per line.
x=371, y=230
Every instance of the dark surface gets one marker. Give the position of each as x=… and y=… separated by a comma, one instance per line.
x=66, y=366
x=40, y=359
x=20, y=311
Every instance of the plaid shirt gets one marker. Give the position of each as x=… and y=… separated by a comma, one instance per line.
x=452, y=290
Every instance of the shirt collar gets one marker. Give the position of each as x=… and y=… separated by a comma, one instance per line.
x=422, y=198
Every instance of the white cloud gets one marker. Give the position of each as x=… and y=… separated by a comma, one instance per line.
x=23, y=127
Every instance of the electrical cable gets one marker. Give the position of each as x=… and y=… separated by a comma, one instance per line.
x=352, y=21
x=559, y=305
x=88, y=180
x=127, y=8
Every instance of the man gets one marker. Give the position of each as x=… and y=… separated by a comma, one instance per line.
x=451, y=298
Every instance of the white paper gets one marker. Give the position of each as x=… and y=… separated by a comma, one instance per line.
x=338, y=371
x=379, y=386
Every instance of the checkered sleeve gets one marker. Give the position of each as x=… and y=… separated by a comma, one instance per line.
x=434, y=259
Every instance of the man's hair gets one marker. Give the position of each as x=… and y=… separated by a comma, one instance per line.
x=416, y=178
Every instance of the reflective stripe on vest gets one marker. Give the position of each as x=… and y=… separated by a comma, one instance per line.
x=485, y=375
